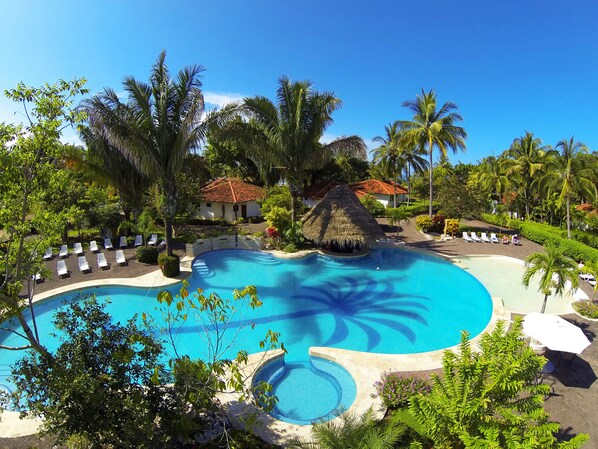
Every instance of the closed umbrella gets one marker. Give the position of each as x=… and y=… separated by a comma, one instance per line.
x=555, y=333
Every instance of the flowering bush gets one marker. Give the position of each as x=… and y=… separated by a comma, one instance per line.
x=395, y=389
x=272, y=233
x=586, y=308
x=423, y=222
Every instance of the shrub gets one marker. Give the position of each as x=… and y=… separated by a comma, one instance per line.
x=451, y=226
x=424, y=223
x=170, y=265
x=589, y=309
x=290, y=248
x=373, y=205
x=279, y=218
x=147, y=254
x=395, y=389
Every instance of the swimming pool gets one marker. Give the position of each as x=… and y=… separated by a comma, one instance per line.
x=392, y=301
x=502, y=276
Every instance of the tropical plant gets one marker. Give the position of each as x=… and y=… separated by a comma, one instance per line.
x=566, y=174
x=554, y=269
x=108, y=165
x=28, y=157
x=375, y=207
x=103, y=368
x=161, y=122
x=489, y=398
x=524, y=159
x=492, y=177
x=396, y=216
x=395, y=389
x=356, y=432
x=288, y=135
x=432, y=127
x=389, y=153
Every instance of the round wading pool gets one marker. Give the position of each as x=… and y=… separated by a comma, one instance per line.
x=310, y=391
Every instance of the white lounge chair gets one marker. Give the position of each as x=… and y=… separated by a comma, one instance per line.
x=102, y=262
x=123, y=242
x=48, y=254
x=153, y=240
x=485, y=238
x=475, y=237
x=138, y=241
x=78, y=249
x=515, y=240
x=120, y=257
x=93, y=246
x=162, y=243
x=108, y=244
x=587, y=277
x=83, y=265
x=61, y=268
x=64, y=251
x=466, y=237
x=494, y=238
x=37, y=278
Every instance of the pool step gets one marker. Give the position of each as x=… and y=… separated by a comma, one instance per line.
x=200, y=267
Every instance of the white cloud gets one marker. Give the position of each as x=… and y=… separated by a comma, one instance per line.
x=221, y=98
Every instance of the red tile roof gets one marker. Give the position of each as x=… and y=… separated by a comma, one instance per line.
x=231, y=190
x=375, y=186
x=319, y=190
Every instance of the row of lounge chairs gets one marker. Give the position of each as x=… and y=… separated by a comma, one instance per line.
x=93, y=246
x=102, y=262
x=483, y=238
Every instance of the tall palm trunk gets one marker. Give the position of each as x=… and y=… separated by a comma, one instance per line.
x=408, y=183
x=431, y=179
x=544, y=303
x=568, y=219
x=169, y=209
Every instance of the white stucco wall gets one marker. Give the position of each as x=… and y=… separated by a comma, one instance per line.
x=215, y=211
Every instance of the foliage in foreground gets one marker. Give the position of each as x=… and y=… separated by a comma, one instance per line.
x=358, y=432
x=395, y=389
x=490, y=398
x=98, y=383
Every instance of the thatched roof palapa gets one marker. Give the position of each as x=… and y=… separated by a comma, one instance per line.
x=340, y=219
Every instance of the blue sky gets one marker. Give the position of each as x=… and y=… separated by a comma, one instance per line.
x=510, y=66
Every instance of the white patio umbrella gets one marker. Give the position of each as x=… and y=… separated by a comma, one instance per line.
x=555, y=333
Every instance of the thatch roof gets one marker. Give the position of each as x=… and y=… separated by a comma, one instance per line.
x=341, y=219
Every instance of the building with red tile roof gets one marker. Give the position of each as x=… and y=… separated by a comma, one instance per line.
x=381, y=190
x=230, y=198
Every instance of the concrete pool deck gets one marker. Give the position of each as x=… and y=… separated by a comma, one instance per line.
x=366, y=368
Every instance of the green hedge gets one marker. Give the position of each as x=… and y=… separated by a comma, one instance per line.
x=415, y=209
x=542, y=234
x=170, y=265
x=147, y=254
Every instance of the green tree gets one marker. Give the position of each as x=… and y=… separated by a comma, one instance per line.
x=287, y=135
x=489, y=398
x=389, y=153
x=162, y=121
x=28, y=157
x=566, y=174
x=525, y=158
x=492, y=177
x=98, y=383
x=109, y=166
x=554, y=269
x=433, y=127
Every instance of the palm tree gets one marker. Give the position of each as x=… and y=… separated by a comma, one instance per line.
x=566, y=173
x=492, y=177
x=288, y=135
x=389, y=153
x=412, y=157
x=161, y=122
x=525, y=158
x=554, y=268
x=432, y=127
x=353, y=432
x=107, y=165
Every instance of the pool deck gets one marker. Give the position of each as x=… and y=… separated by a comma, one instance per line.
x=575, y=392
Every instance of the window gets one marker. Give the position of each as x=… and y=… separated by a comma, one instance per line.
x=208, y=204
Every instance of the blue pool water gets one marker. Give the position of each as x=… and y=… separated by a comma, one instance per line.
x=392, y=301
x=307, y=392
